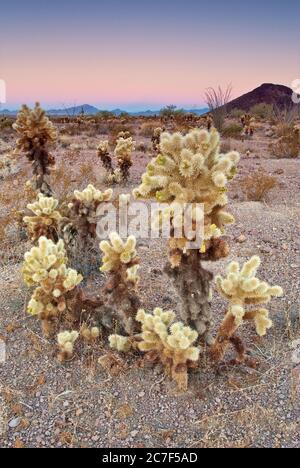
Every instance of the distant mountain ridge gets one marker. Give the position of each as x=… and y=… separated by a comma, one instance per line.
x=87, y=109
x=269, y=93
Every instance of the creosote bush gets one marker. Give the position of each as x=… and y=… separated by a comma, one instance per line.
x=37, y=133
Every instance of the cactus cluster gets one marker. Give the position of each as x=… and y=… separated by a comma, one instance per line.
x=66, y=341
x=45, y=220
x=170, y=342
x=36, y=134
x=248, y=124
x=123, y=151
x=242, y=288
x=190, y=169
x=103, y=154
x=156, y=138
x=45, y=267
x=91, y=334
x=125, y=145
x=80, y=223
x=121, y=262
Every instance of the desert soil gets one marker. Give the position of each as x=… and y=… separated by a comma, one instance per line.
x=79, y=404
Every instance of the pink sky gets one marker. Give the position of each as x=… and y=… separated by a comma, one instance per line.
x=108, y=64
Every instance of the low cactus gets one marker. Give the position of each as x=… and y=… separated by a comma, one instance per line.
x=121, y=263
x=66, y=341
x=45, y=220
x=241, y=288
x=45, y=267
x=169, y=342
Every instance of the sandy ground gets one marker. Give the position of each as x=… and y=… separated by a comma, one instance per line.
x=78, y=404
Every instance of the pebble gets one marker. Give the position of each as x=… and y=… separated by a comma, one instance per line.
x=13, y=423
x=241, y=239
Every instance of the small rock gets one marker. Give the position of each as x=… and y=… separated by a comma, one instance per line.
x=134, y=433
x=141, y=394
x=241, y=239
x=13, y=423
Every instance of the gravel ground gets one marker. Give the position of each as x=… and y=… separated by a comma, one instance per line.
x=79, y=404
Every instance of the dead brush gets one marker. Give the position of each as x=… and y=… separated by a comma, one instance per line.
x=257, y=185
x=288, y=145
x=147, y=129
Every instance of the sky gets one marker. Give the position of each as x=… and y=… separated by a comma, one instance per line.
x=144, y=54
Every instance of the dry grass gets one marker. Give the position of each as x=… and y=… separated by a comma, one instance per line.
x=257, y=185
x=232, y=130
x=147, y=129
x=288, y=145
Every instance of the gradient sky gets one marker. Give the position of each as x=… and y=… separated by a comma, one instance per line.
x=144, y=54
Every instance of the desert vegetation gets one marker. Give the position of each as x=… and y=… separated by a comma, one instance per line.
x=100, y=308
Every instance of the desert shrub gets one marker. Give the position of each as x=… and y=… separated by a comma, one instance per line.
x=147, y=129
x=115, y=128
x=288, y=145
x=237, y=113
x=262, y=110
x=142, y=147
x=257, y=185
x=105, y=115
x=217, y=100
x=232, y=130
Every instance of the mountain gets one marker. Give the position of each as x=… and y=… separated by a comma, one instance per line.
x=91, y=110
x=277, y=95
x=76, y=110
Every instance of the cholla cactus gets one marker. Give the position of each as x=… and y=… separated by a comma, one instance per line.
x=90, y=335
x=171, y=343
x=66, y=342
x=248, y=124
x=120, y=343
x=45, y=267
x=121, y=262
x=123, y=151
x=190, y=169
x=45, y=220
x=117, y=253
x=156, y=138
x=79, y=225
x=103, y=153
x=36, y=133
x=241, y=287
